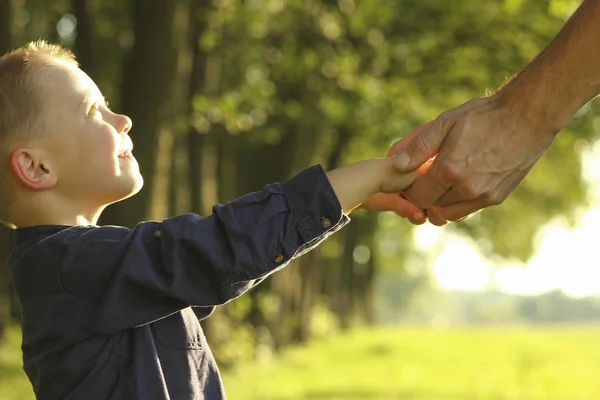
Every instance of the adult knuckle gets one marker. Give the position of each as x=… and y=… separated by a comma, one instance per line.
x=449, y=174
x=444, y=122
x=445, y=116
x=493, y=199
x=469, y=191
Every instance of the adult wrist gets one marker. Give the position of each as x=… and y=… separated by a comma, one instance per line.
x=537, y=107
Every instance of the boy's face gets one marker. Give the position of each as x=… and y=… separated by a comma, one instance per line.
x=89, y=145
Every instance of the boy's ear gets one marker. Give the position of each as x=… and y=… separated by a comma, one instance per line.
x=32, y=169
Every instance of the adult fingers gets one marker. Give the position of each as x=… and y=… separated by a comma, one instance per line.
x=465, y=191
x=395, y=203
x=430, y=186
x=423, y=145
x=436, y=216
x=406, y=209
x=459, y=211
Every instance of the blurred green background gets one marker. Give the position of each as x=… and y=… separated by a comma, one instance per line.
x=229, y=95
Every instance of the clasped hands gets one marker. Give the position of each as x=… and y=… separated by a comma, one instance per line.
x=399, y=202
x=472, y=156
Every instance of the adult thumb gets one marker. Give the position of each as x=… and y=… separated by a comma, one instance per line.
x=421, y=148
x=401, y=144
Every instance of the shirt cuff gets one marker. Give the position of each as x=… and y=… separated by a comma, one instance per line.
x=314, y=203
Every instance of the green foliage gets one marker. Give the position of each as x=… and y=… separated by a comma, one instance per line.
x=373, y=71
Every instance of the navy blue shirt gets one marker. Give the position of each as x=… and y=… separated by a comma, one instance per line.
x=113, y=313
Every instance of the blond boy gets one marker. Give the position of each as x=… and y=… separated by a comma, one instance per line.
x=111, y=312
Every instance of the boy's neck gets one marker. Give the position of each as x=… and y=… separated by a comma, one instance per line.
x=43, y=210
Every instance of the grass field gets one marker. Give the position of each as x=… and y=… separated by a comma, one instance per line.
x=550, y=363
x=13, y=383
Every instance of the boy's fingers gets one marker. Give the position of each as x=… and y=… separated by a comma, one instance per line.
x=405, y=181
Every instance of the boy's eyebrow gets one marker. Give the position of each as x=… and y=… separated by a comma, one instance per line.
x=90, y=97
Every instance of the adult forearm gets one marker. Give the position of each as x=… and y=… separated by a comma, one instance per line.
x=563, y=77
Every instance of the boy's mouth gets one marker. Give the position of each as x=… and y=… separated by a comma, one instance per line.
x=126, y=154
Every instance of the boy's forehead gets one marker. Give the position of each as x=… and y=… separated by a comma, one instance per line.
x=66, y=79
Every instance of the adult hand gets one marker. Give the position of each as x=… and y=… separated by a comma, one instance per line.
x=483, y=149
x=486, y=146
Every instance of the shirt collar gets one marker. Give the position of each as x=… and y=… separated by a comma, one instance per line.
x=36, y=232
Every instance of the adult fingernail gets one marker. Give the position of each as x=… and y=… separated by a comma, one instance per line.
x=402, y=160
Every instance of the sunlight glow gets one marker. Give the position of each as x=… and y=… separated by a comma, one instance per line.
x=565, y=259
x=427, y=235
x=460, y=267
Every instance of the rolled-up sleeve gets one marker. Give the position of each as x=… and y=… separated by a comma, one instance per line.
x=120, y=278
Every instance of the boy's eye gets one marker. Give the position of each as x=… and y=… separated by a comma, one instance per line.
x=95, y=109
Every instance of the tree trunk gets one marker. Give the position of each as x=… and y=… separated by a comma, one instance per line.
x=147, y=96
x=309, y=276
x=5, y=25
x=184, y=29
x=196, y=140
x=346, y=282
x=364, y=282
x=335, y=157
x=85, y=43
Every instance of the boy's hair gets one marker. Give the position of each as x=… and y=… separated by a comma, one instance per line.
x=22, y=102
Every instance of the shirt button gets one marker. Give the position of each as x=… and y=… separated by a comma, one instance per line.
x=157, y=234
x=278, y=258
x=325, y=223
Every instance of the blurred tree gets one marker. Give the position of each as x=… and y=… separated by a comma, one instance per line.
x=5, y=26
x=196, y=138
x=5, y=233
x=85, y=39
x=147, y=90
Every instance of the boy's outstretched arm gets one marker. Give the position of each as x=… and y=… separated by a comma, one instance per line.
x=116, y=278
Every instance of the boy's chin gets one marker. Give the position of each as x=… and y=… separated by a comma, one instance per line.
x=128, y=189
x=134, y=188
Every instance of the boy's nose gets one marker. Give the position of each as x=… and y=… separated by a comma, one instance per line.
x=123, y=123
